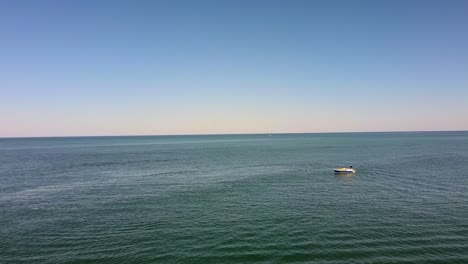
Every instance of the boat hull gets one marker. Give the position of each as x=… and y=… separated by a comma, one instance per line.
x=344, y=171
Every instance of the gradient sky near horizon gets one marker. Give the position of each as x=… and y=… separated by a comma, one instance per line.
x=195, y=67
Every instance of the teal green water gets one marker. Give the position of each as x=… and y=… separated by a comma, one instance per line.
x=235, y=199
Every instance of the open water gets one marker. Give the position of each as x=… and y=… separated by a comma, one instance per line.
x=235, y=199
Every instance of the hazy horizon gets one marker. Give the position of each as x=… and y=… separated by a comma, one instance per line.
x=240, y=134
x=88, y=68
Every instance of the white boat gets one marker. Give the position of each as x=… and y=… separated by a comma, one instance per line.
x=345, y=170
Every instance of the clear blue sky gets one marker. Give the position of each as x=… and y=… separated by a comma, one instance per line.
x=189, y=67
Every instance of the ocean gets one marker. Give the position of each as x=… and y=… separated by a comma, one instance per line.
x=235, y=199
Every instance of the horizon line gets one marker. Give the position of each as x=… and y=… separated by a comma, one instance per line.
x=232, y=134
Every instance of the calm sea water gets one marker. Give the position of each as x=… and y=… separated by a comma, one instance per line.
x=235, y=199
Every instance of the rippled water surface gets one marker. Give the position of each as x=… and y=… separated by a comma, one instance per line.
x=235, y=199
